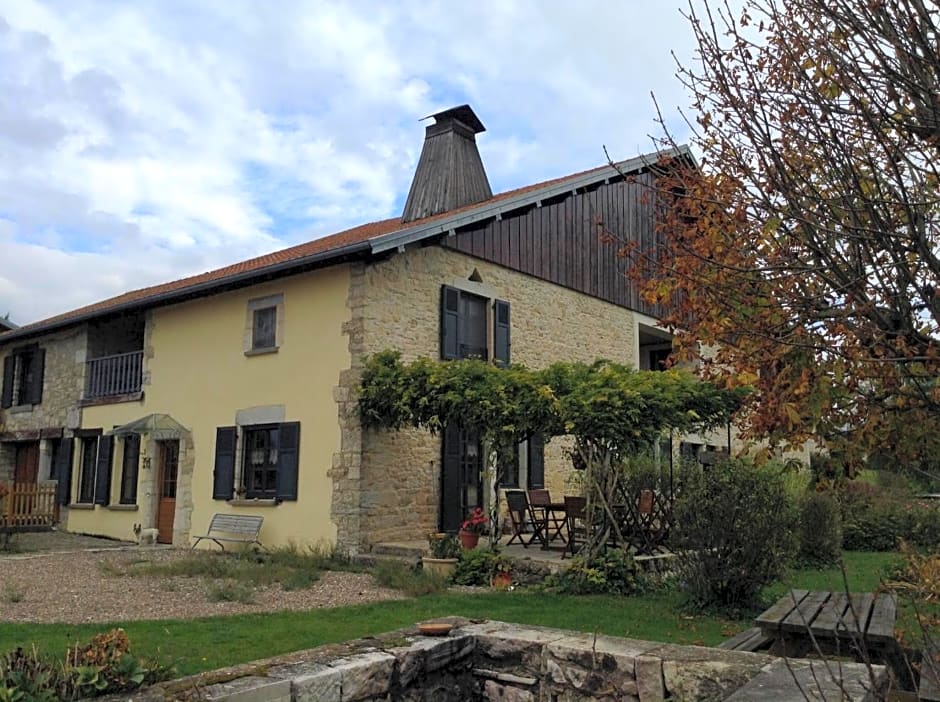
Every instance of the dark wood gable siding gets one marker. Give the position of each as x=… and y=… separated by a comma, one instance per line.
x=561, y=240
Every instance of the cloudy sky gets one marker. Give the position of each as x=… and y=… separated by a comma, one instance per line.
x=145, y=141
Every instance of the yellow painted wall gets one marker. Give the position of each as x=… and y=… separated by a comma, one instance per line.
x=200, y=375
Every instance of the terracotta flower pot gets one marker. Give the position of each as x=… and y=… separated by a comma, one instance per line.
x=501, y=580
x=468, y=539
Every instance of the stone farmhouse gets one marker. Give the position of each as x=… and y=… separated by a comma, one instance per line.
x=234, y=391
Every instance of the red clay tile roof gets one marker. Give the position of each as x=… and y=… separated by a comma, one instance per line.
x=340, y=240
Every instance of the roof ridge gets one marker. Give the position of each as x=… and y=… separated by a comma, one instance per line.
x=357, y=235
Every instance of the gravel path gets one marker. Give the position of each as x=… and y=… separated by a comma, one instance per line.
x=80, y=586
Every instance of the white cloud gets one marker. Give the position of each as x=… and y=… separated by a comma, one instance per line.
x=148, y=141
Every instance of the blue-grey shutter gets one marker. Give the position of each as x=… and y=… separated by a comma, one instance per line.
x=63, y=471
x=536, y=461
x=288, y=454
x=9, y=372
x=450, y=322
x=223, y=477
x=103, y=470
x=39, y=366
x=501, y=333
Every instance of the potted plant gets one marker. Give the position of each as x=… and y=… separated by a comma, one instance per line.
x=472, y=528
x=502, y=577
x=443, y=551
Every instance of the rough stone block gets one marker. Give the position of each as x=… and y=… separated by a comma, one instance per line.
x=494, y=691
x=365, y=676
x=250, y=689
x=696, y=672
x=649, y=679
x=311, y=682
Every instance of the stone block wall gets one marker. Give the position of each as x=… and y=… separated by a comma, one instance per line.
x=63, y=384
x=395, y=304
x=499, y=661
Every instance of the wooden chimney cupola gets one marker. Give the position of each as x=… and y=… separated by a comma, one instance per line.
x=450, y=171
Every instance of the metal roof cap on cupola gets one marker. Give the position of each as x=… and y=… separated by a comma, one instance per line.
x=450, y=171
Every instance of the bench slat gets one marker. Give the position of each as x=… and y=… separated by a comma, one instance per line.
x=241, y=528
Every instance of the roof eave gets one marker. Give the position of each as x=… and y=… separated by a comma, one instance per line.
x=190, y=291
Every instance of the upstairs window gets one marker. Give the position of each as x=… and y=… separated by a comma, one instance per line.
x=264, y=325
x=23, y=377
x=465, y=327
x=264, y=329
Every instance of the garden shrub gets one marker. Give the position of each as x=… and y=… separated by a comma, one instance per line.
x=876, y=519
x=734, y=533
x=820, y=530
x=612, y=573
x=102, y=666
x=478, y=566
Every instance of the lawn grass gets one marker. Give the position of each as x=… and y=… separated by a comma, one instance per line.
x=205, y=644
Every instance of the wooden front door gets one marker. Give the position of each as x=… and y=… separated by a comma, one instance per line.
x=166, y=502
x=27, y=463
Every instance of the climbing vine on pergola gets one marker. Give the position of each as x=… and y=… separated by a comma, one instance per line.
x=612, y=411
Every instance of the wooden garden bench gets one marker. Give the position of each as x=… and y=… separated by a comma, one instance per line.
x=232, y=528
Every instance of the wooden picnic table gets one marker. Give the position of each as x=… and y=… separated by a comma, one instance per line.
x=858, y=624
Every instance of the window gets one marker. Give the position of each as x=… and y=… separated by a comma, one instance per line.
x=94, y=473
x=659, y=359
x=86, y=473
x=268, y=458
x=23, y=377
x=264, y=329
x=129, y=465
x=259, y=473
x=509, y=475
x=464, y=326
x=264, y=325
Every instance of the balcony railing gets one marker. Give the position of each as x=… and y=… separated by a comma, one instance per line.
x=108, y=376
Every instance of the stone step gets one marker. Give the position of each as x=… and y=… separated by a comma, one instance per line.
x=404, y=551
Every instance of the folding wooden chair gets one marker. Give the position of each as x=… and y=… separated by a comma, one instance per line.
x=519, y=509
x=550, y=513
x=576, y=515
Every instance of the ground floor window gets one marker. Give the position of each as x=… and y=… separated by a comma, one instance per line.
x=129, y=466
x=86, y=471
x=260, y=461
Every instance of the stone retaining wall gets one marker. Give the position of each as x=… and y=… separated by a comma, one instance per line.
x=500, y=661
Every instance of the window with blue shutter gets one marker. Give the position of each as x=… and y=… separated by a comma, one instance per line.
x=288, y=453
x=223, y=476
x=103, y=470
x=501, y=340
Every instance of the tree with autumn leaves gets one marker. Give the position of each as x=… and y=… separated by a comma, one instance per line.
x=799, y=254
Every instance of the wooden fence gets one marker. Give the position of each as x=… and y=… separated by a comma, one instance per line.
x=28, y=507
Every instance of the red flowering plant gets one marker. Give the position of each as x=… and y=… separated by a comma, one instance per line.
x=476, y=523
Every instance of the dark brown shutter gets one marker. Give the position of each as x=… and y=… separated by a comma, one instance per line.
x=63, y=471
x=451, y=510
x=103, y=470
x=9, y=371
x=223, y=477
x=288, y=453
x=501, y=333
x=450, y=322
x=39, y=366
x=536, y=461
